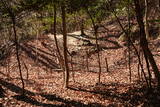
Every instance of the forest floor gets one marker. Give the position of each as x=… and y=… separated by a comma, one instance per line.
x=44, y=79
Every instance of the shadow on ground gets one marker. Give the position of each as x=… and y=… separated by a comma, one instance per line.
x=134, y=96
x=27, y=98
x=69, y=103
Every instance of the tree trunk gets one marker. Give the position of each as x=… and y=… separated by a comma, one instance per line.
x=99, y=61
x=82, y=28
x=97, y=45
x=2, y=92
x=87, y=62
x=146, y=25
x=107, y=69
x=60, y=58
x=12, y=16
x=143, y=41
x=73, y=73
x=149, y=72
x=27, y=76
x=126, y=33
x=17, y=51
x=129, y=46
x=65, y=46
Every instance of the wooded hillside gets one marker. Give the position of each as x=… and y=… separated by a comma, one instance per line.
x=79, y=53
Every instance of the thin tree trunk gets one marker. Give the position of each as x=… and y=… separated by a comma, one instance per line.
x=65, y=46
x=146, y=25
x=82, y=28
x=99, y=61
x=132, y=45
x=87, y=61
x=73, y=73
x=36, y=47
x=12, y=16
x=142, y=60
x=17, y=52
x=27, y=76
x=107, y=69
x=129, y=61
x=138, y=68
x=97, y=45
x=37, y=44
x=144, y=43
x=149, y=72
x=2, y=92
x=129, y=48
x=83, y=63
x=8, y=68
x=59, y=55
x=60, y=58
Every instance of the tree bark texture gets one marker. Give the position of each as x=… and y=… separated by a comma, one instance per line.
x=65, y=46
x=143, y=41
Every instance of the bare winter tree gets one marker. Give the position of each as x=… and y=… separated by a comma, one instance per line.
x=95, y=27
x=65, y=46
x=60, y=57
x=13, y=19
x=143, y=41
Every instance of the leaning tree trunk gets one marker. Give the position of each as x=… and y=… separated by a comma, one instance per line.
x=126, y=33
x=143, y=41
x=60, y=58
x=65, y=46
